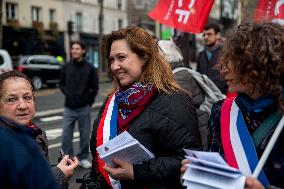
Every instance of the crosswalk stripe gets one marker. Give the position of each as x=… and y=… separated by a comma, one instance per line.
x=59, y=143
x=52, y=118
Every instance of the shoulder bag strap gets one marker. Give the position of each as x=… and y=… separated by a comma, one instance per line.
x=264, y=128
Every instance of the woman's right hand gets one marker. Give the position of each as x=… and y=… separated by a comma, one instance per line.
x=68, y=165
x=253, y=183
x=183, y=168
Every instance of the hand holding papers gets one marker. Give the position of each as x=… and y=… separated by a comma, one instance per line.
x=123, y=147
x=209, y=170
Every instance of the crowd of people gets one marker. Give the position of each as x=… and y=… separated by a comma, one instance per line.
x=157, y=107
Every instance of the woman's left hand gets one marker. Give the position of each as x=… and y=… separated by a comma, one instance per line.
x=122, y=171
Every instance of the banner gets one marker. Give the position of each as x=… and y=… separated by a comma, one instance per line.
x=184, y=15
x=270, y=10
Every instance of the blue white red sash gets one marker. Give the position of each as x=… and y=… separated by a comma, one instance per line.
x=238, y=146
x=106, y=131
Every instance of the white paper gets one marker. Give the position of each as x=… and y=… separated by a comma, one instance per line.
x=123, y=147
x=209, y=170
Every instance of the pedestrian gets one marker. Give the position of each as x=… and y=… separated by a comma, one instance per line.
x=79, y=84
x=152, y=107
x=173, y=55
x=17, y=104
x=208, y=59
x=252, y=65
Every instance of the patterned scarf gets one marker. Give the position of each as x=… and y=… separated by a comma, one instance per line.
x=132, y=101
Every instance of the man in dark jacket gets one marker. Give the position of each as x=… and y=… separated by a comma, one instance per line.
x=79, y=84
x=21, y=163
x=208, y=58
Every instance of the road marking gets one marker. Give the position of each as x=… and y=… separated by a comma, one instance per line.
x=60, y=110
x=52, y=118
x=53, y=134
x=46, y=92
x=59, y=143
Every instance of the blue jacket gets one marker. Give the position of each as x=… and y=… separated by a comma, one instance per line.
x=21, y=163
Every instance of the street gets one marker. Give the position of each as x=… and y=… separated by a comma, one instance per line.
x=50, y=103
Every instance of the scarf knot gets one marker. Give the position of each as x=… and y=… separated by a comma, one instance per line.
x=132, y=101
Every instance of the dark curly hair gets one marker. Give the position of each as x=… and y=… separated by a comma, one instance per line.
x=256, y=51
x=13, y=74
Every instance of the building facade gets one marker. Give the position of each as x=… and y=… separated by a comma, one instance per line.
x=33, y=27
x=41, y=26
x=137, y=12
x=85, y=18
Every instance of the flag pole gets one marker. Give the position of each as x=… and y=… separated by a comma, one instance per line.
x=269, y=147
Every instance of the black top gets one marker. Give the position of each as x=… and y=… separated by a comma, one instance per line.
x=79, y=84
x=165, y=127
x=209, y=67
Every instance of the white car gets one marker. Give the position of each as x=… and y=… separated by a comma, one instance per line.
x=5, y=61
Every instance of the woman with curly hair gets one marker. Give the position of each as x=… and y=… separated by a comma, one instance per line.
x=151, y=106
x=252, y=64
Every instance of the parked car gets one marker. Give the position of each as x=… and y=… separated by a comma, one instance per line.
x=5, y=61
x=41, y=69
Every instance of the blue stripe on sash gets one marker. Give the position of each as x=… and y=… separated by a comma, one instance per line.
x=113, y=120
x=249, y=148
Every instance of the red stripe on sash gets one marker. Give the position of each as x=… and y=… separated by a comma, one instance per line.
x=225, y=132
x=100, y=141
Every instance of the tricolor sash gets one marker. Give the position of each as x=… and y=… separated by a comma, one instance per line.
x=237, y=143
x=106, y=131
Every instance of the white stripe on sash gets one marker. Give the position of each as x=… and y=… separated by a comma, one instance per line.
x=106, y=136
x=236, y=142
x=106, y=128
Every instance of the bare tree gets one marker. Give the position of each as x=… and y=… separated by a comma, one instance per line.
x=248, y=9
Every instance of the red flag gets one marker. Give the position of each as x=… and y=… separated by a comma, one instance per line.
x=270, y=10
x=184, y=15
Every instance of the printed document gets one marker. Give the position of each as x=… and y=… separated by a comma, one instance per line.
x=124, y=147
x=209, y=170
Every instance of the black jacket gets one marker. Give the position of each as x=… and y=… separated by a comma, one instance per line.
x=165, y=127
x=79, y=84
x=208, y=67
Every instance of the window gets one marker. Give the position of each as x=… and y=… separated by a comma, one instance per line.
x=120, y=23
x=39, y=61
x=139, y=4
x=36, y=14
x=78, y=22
x=119, y=4
x=106, y=24
x=52, y=16
x=11, y=11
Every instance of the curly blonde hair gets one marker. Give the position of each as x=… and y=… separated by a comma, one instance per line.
x=156, y=70
x=256, y=51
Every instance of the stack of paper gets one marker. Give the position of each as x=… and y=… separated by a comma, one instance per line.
x=208, y=170
x=123, y=147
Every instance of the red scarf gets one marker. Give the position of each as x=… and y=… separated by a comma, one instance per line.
x=132, y=101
